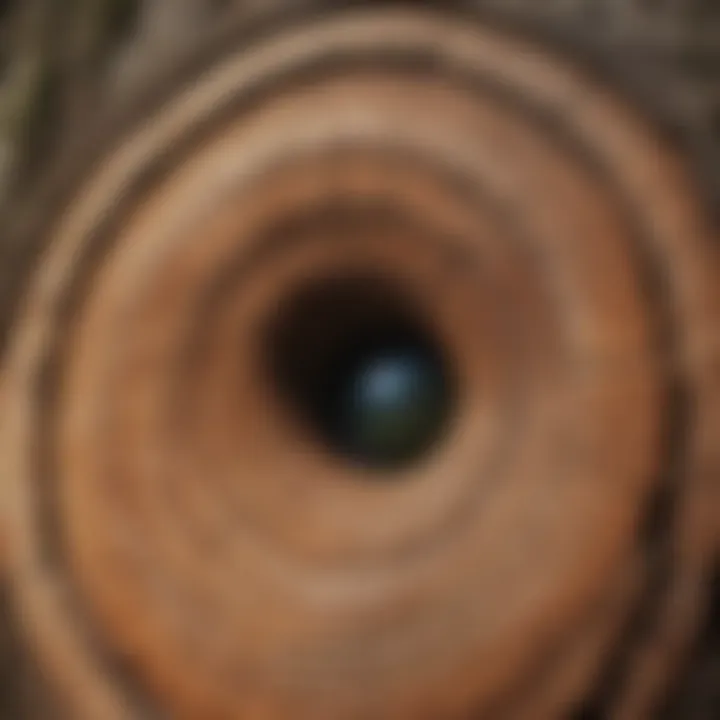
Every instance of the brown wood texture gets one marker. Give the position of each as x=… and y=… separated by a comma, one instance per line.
x=536, y=181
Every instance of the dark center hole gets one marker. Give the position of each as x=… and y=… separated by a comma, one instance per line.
x=361, y=367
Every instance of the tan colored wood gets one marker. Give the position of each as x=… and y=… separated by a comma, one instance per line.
x=178, y=543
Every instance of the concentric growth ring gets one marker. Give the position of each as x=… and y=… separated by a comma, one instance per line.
x=185, y=539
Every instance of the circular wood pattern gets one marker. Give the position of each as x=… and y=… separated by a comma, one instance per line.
x=184, y=544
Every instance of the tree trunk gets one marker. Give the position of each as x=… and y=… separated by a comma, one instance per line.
x=533, y=186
